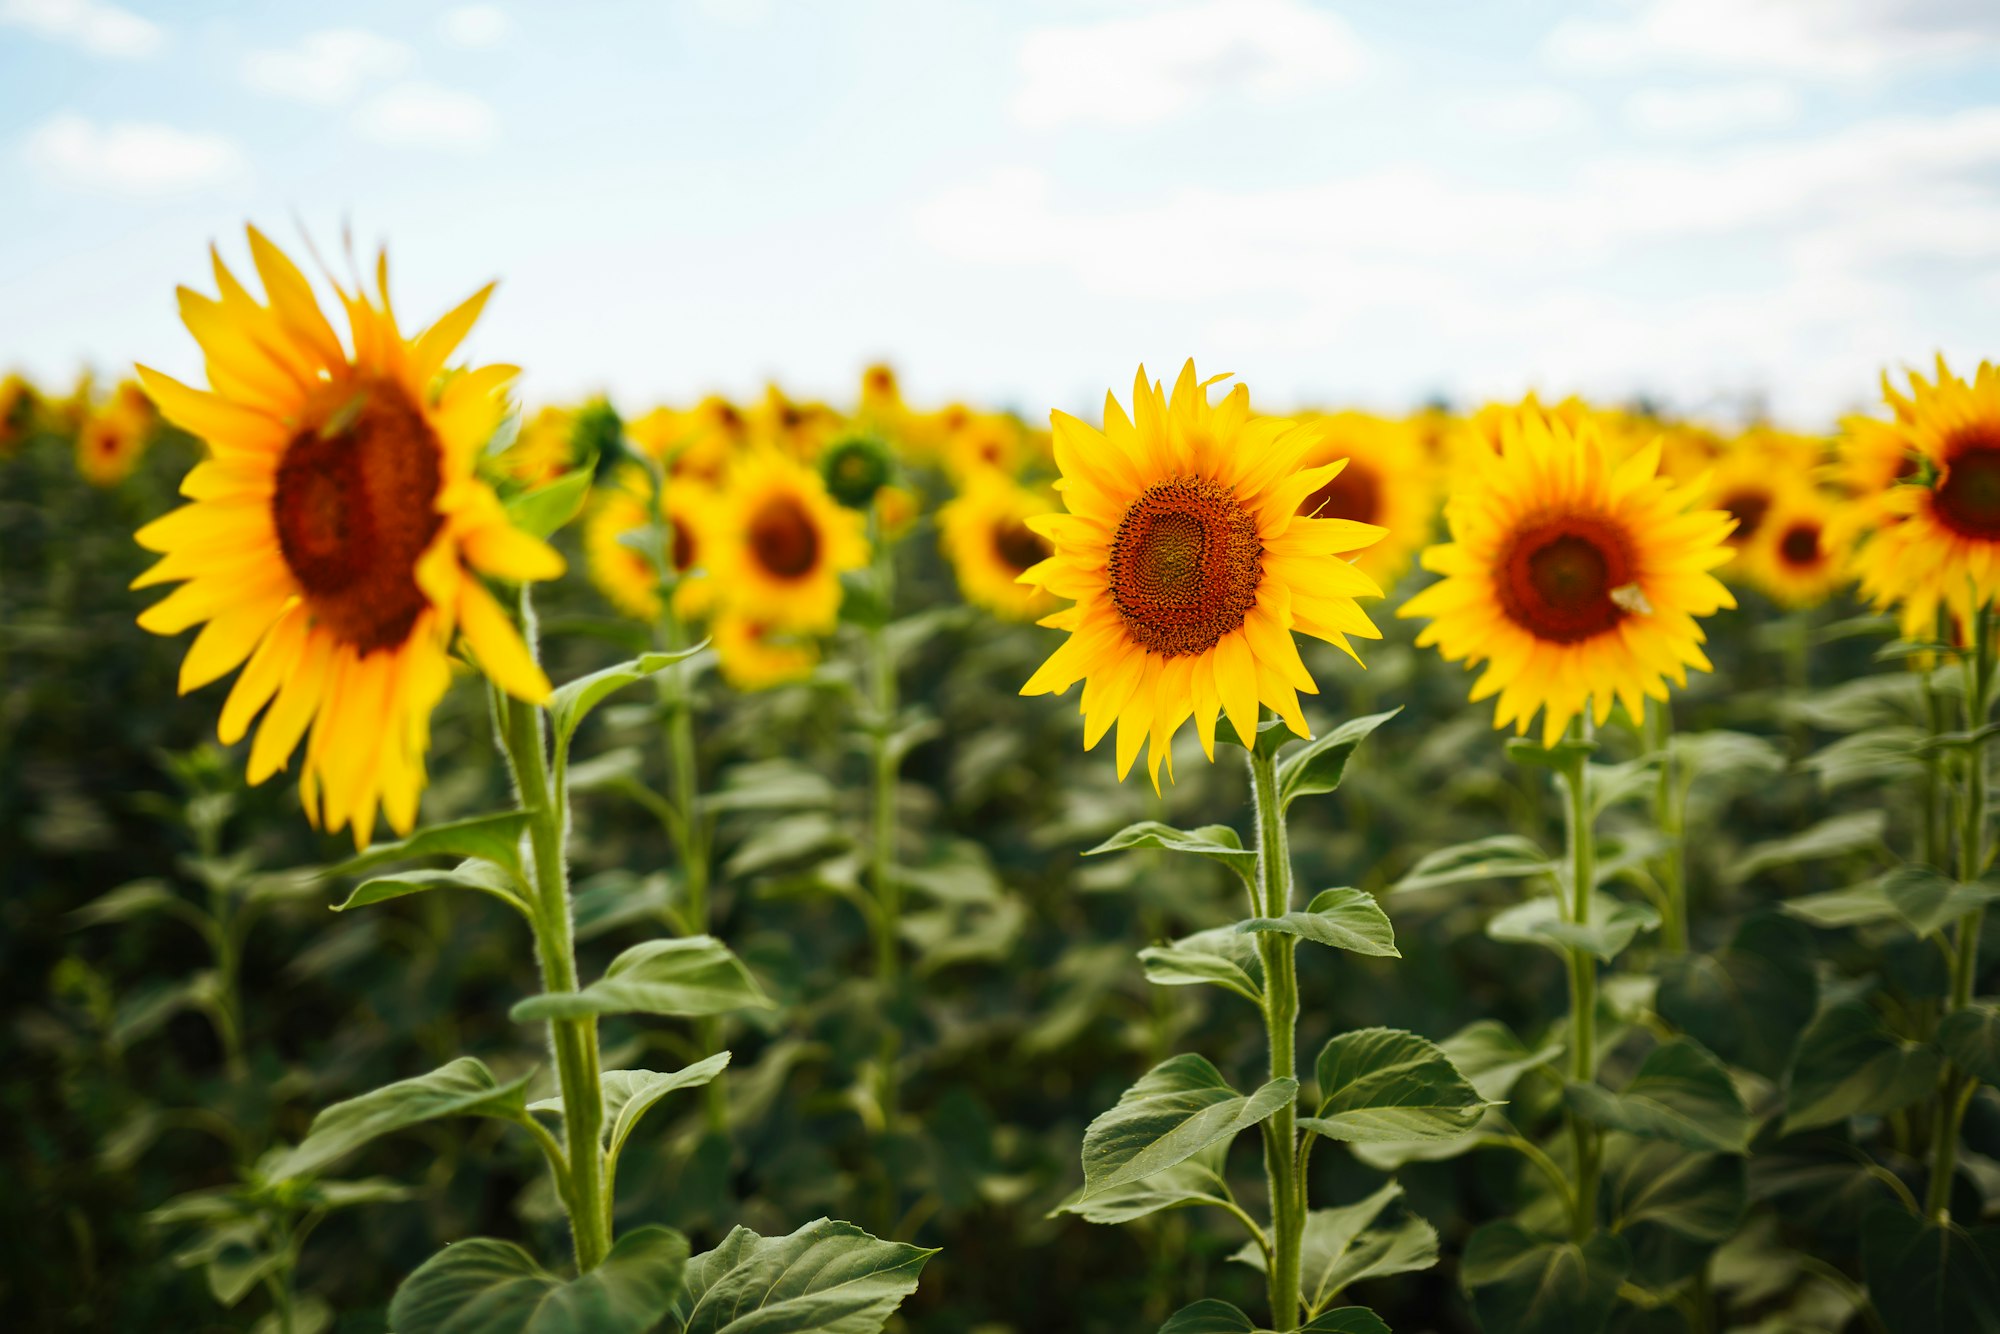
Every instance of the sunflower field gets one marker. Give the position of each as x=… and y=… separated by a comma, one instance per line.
x=779, y=866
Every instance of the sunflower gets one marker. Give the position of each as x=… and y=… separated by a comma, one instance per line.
x=1744, y=483
x=624, y=573
x=779, y=543
x=987, y=442
x=544, y=450
x=17, y=412
x=696, y=444
x=1937, y=544
x=1797, y=557
x=1387, y=482
x=756, y=655
x=111, y=441
x=985, y=534
x=1190, y=567
x=336, y=533
x=1577, y=582
x=798, y=430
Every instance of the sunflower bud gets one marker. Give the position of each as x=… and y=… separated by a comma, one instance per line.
x=855, y=468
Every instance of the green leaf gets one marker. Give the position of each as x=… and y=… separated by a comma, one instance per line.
x=1613, y=923
x=1882, y=754
x=1196, y=1180
x=1748, y=1002
x=1177, y=1109
x=483, y=1286
x=128, y=901
x=1346, y=919
x=472, y=873
x=1217, y=842
x=1345, y=1245
x=495, y=838
x=1491, y=1059
x=1849, y=1063
x=1699, y=1196
x=1223, y=956
x=1681, y=1093
x=551, y=505
x=1383, y=1085
x=1856, y=905
x=572, y=701
x=1346, y=1320
x=825, y=1278
x=1209, y=1316
x=1971, y=1038
x=1528, y=751
x=1522, y=1284
x=1319, y=764
x=1501, y=857
x=1926, y=1276
x=791, y=841
x=691, y=976
x=630, y=1094
x=1836, y=836
x=464, y=1087
x=1928, y=900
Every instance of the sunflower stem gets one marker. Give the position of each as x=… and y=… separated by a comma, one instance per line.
x=886, y=919
x=1580, y=837
x=574, y=1041
x=1282, y=1167
x=1670, y=818
x=1954, y=1085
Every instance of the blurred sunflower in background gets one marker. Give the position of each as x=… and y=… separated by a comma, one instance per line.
x=115, y=436
x=757, y=655
x=1191, y=567
x=984, y=532
x=616, y=533
x=1936, y=544
x=336, y=534
x=17, y=412
x=987, y=442
x=779, y=543
x=1575, y=580
x=1387, y=482
x=1797, y=558
x=543, y=451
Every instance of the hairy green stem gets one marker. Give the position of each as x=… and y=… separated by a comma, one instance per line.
x=696, y=854
x=1670, y=818
x=1580, y=837
x=1282, y=1167
x=882, y=839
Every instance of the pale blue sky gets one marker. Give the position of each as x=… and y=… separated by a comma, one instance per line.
x=1354, y=202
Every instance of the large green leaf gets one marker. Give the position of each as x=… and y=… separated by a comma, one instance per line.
x=1319, y=764
x=1748, y=1002
x=1346, y=919
x=1196, y=1180
x=1928, y=1277
x=475, y=873
x=1492, y=1059
x=1523, y=1284
x=464, y=1087
x=1217, y=842
x=1180, y=1107
x=1345, y=1245
x=1849, y=1063
x=1541, y=921
x=1654, y=1183
x=1222, y=956
x=551, y=505
x=630, y=1094
x=1501, y=857
x=1928, y=900
x=573, y=700
x=825, y=1278
x=495, y=838
x=1855, y=905
x=1383, y=1085
x=1971, y=1038
x=1680, y=1093
x=1213, y=1316
x=1835, y=836
x=694, y=975
x=483, y=1286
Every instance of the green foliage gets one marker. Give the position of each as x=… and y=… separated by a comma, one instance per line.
x=1180, y=1107
x=1523, y=1284
x=1212, y=1316
x=1318, y=766
x=1749, y=1001
x=825, y=1278
x=549, y=507
x=1224, y=957
x=464, y=1087
x=695, y=975
x=1613, y=925
x=1680, y=1093
x=1216, y=842
x=1345, y=919
x=1971, y=1038
x=1355, y=1242
x=1850, y=1063
x=1925, y=1276
x=1382, y=1085
x=483, y=1286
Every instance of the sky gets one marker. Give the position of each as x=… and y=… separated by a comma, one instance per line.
x=1727, y=206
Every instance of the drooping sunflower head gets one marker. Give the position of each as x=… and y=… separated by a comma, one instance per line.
x=779, y=543
x=336, y=534
x=111, y=442
x=1191, y=567
x=984, y=532
x=1388, y=482
x=1936, y=547
x=616, y=534
x=1798, y=557
x=1575, y=580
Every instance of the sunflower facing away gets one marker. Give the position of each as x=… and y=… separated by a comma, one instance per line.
x=985, y=533
x=1937, y=544
x=1191, y=567
x=336, y=535
x=1576, y=582
x=1387, y=482
x=778, y=544
x=624, y=573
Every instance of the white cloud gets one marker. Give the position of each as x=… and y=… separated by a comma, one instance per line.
x=99, y=28
x=1829, y=39
x=130, y=158
x=426, y=115
x=1718, y=110
x=1526, y=113
x=476, y=27
x=327, y=68
x=1148, y=67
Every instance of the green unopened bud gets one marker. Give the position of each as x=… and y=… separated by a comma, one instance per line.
x=855, y=468
x=598, y=433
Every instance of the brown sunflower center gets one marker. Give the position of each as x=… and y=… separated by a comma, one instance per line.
x=355, y=506
x=784, y=538
x=1967, y=499
x=683, y=552
x=1558, y=577
x=1356, y=493
x=1185, y=565
x=1748, y=507
x=1018, y=546
x=1798, y=546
